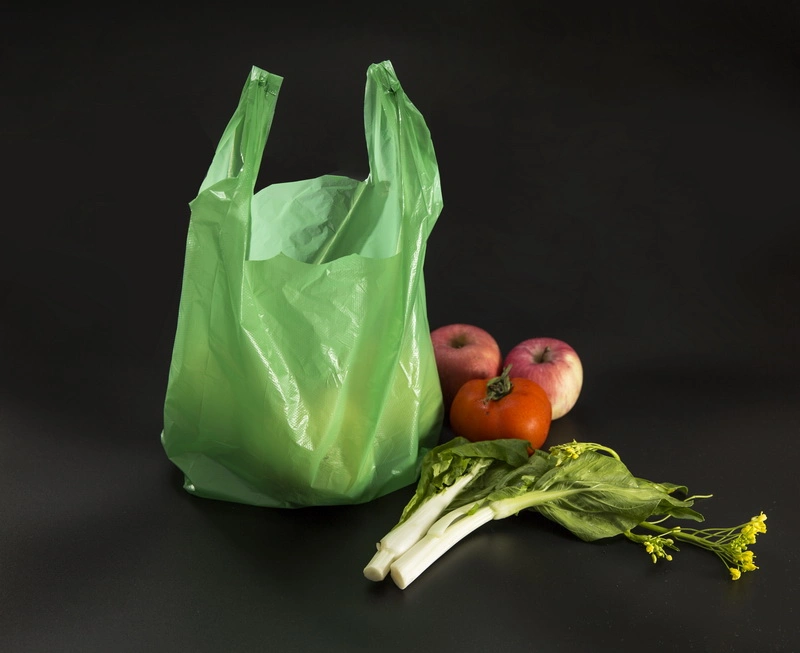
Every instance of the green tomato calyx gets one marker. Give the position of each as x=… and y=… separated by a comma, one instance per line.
x=499, y=386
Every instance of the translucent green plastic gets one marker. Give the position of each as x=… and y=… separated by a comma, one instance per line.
x=302, y=371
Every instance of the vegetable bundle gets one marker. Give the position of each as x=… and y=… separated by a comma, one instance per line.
x=583, y=486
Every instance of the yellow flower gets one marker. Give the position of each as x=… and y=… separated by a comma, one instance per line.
x=735, y=573
x=745, y=561
x=752, y=528
x=748, y=534
x=758, y=524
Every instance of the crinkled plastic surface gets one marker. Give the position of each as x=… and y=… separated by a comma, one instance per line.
x=302, y=371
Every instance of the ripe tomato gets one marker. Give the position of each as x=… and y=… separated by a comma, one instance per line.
x=502, y=407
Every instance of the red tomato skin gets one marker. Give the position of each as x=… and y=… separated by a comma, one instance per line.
x=525, y=413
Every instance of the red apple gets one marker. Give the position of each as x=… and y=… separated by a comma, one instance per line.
x=464, y=352
x=554, y=365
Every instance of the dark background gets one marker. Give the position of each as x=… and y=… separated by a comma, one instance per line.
x=620, y=176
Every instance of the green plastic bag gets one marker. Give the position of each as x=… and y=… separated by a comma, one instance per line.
x=303, y=371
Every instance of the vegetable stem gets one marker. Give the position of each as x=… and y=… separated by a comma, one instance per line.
x=450, y=529
x=403, y=536
x=436, y=543
x=503, y=508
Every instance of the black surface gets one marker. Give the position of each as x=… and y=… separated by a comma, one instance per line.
x=621, y=177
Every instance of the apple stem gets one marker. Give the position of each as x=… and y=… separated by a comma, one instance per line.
x=499, y=386
x=541, y=357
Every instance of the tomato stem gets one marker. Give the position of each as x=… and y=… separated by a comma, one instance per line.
x=499, y=386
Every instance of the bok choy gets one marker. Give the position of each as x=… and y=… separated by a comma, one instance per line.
x=586, y=488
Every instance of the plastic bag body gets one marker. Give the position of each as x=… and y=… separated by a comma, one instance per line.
x=302, y=370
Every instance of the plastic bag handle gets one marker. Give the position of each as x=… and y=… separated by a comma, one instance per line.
x=238, y=155
x=399, y=144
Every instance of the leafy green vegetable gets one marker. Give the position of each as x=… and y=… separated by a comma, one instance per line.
x=585, y=487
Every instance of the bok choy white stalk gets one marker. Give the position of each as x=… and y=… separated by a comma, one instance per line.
x=449, y=471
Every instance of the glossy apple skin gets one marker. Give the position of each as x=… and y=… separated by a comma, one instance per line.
x=554, y=365
x=464, y=352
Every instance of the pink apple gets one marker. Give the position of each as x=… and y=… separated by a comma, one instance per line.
x=554, y=365
x=464, y=352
